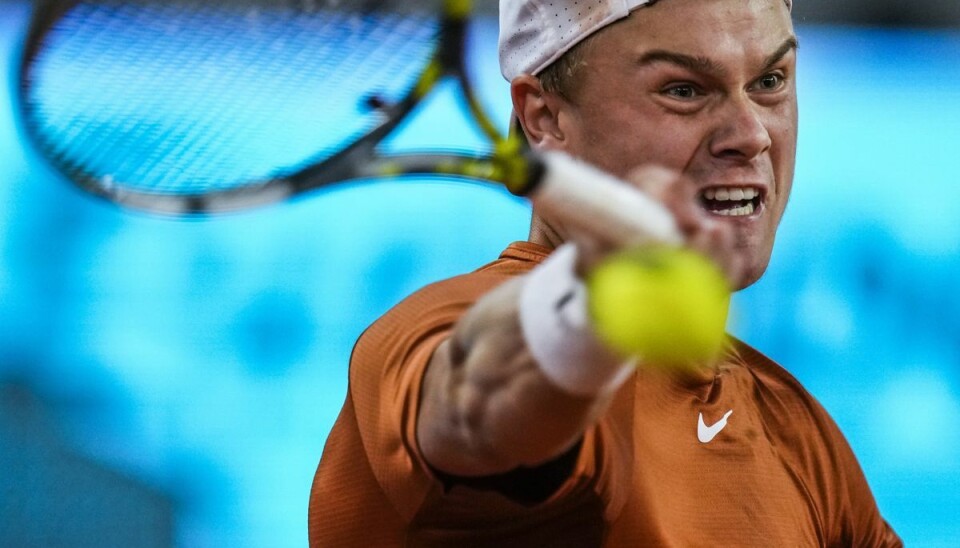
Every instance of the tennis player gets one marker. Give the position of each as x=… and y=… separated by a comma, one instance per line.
x=482, y=411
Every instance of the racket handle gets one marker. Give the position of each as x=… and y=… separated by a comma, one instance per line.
x=586, y=198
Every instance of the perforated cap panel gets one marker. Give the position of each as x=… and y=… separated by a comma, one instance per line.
x=535, y=33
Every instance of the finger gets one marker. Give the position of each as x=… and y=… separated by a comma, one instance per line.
x=703, y=233
x=591, y=252
x=717, y=242
x=675, y=192
x=654, y=180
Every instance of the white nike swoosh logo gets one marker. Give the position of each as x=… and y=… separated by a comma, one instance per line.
x=706, y=433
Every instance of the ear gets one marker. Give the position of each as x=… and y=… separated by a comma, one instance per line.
x=538, y=112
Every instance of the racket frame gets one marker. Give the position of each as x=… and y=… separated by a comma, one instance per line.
x=510, y=162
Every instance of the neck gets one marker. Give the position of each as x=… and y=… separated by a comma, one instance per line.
x=542, y=233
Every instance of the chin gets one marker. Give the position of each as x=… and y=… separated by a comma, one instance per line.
x=756, y=267
x=747, y=280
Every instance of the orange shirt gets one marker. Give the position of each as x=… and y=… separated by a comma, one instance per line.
x=743, y=456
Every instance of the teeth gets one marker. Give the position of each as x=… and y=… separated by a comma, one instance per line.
x=741, y=211
x=730, y=193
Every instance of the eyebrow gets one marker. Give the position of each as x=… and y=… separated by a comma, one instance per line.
x=699, y=63
x=790, y=44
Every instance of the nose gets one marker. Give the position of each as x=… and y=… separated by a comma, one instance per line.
x=741, y=134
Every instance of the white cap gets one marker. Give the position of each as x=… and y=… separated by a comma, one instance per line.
x=535, y=33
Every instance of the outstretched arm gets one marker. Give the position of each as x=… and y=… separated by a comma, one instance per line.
x=501, y=392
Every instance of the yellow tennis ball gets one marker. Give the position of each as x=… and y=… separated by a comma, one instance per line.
x=668, y=306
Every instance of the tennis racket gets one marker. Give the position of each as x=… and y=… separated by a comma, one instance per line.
x=180, y=107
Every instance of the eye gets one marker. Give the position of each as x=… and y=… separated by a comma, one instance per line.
x=682, y=91
x=770, y=82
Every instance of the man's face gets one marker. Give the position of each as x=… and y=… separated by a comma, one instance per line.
x=704, y=87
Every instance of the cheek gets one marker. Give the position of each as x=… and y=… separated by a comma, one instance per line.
x=621, y=136
x=783, y=129
x=603, y=142
x=674, y=145
x=623, y=143
x=784, y=160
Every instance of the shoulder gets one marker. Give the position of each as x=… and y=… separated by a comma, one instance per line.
x=812, y=446
x=782, y=397
x=441, y=304
x=807, y=438
x=390, y=357
x=388, y=364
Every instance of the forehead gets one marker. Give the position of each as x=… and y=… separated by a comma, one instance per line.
x=721, y=29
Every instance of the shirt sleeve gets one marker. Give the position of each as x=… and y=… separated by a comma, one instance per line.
x=386, y=371
x=849, y=512
x=859, y=522
x=823, y=459
x=387, y=368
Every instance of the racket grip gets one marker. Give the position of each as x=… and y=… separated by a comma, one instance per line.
x=586, y=198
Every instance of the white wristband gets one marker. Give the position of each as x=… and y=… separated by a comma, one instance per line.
x=555, y=325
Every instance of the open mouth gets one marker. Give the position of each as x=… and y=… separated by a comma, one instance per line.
x=735, y=201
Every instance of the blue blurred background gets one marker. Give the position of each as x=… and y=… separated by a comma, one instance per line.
x=172, y=382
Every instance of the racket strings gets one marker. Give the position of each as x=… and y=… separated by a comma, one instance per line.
x=186, y=99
